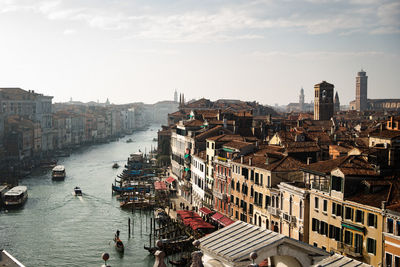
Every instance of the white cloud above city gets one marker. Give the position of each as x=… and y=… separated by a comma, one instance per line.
x=188, y=36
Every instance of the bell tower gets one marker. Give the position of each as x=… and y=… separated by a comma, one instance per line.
x=323, y=101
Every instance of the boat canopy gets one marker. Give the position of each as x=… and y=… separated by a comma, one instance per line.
x=16, y=191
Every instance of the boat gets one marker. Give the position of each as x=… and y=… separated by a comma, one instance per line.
x=78, y=191
x=119, y=246
x=129, y=140
x=48, y=164
x=16, y=197
x=58, y=172
x=180, y=262
x=115, y=166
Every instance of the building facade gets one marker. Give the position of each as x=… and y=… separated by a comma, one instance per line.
x=323, y=101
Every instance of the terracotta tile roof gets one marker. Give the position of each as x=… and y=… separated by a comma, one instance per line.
x=387, y=134
x=325, y=166
x=298, y=147
x=193, y=123
x=225, y=138
x=280, y=162
x=376, y=191
x=237, y=144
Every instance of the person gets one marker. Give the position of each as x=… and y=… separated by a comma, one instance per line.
x=117, y=235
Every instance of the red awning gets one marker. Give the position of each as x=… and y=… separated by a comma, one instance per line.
x=205, y=210
x=170, y=180
x=160, y=185
x=217, y=216
x=225, y=221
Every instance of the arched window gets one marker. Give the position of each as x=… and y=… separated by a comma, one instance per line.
x=290, y=205
x=273, y=201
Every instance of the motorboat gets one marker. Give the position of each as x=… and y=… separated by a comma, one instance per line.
x=78, y=191
x=115, y=166
x=16, y=197
x=58, y=172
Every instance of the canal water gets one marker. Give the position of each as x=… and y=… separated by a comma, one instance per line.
x=55, y=228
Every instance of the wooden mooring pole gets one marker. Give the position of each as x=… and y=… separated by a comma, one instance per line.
x=129, y=227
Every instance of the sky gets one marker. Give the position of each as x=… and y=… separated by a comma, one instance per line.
x=144, y=50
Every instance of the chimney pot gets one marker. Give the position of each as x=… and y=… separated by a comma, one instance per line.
x=241, y=159
x=250, y=161
x=309, y=160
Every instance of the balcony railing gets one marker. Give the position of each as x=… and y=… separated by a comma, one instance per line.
x=217, y=194
x=349, y=250
x=320, y=186
x=289, y=218
x=273, y=211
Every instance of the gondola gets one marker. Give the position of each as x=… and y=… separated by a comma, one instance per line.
x=181, y=262
x=119, y=246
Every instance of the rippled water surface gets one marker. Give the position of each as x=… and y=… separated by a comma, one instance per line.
x=55, y=228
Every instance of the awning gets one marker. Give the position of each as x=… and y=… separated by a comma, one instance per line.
x=353, y=227
x=217, y=216
x=225, y=221
x=205, y=210
x=160, y=185
x=170, y=180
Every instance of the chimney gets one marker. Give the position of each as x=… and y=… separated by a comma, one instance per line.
x=383, y=205
x=250, y=161
x=309, y=160
x=257, y=144
x=266, y=159
x=241, y=159
x=225, y=123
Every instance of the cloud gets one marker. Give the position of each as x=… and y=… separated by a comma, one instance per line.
x=69, y=32
x=222, y=21
x=319, y=54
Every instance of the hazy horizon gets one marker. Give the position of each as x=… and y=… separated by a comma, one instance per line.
x=256, y=50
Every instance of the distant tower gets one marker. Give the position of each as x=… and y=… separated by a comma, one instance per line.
x=301, y=99
x=323, y=102
x=176, y=96
x=337, y=102
x=361, y=91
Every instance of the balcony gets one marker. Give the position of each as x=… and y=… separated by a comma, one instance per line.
x=208, y=190
x=273, y=211
x=217, y=194
x=320, y=186
x=355, y=252
x=289, y=218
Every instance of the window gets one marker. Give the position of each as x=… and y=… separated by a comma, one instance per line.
x=336, y=209
x=315, y=225
x=336, y=183
x=315, y=244
x=316, y=203
x=261, y=179
x=372, y=220
x=348, y=237
x=324, y=228
x=348, y=213
x=398, y=229
x=390, y=225
x=325, y=205
x=236, y=215
x=371, y=246
x=389, y=260
x=359, y=216
x=396, y=261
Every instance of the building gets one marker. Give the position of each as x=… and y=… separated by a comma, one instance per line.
x=361, y=90
x=198, y=169
x=301, y=99
x=342, y=218
x=337, y=102
x=362, y=103
x=233, y=245
x=323, y=101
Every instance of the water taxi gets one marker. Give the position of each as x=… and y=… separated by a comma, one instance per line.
x=77, y=191
x=58, y=172
x=16, y=197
